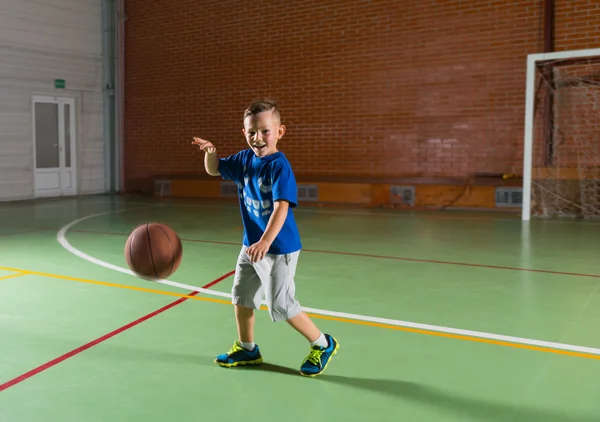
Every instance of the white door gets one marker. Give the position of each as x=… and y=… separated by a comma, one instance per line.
x=54, y=146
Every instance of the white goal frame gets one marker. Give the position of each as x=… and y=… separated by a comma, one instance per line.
x=532, y=59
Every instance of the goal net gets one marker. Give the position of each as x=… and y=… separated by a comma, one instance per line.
x=562, y=139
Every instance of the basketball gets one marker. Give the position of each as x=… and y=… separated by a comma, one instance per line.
x=153, y=251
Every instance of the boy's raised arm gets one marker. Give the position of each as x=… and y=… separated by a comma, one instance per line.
x=211, y=159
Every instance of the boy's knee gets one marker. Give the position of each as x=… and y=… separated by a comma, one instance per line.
x=283, y=312
x=244, y=301
x=246, y=293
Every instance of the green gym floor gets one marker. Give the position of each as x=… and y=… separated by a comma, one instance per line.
x=440, y=316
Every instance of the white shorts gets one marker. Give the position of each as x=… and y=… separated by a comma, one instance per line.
x=273, y=277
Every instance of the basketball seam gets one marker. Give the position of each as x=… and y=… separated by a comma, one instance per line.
x=170, y=248
x=150, y=248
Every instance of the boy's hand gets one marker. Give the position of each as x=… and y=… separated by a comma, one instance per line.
x=205, y=146
x=258, y=251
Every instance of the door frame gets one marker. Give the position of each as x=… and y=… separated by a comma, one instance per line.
x=61, y=101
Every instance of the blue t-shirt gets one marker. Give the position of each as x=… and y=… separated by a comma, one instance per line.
x=261, y=181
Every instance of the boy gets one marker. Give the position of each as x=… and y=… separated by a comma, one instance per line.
x=271, y=244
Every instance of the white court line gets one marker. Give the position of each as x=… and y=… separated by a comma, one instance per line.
x=61, y=237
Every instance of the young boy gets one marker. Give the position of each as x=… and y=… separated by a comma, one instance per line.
x=271, y=244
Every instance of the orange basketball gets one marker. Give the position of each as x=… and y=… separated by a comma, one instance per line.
x=153, y=251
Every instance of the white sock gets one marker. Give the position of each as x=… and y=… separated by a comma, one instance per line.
x=321, y=341
x=248, y=346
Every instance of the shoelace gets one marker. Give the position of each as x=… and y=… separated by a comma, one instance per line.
x=315, y=357
x=235, y=348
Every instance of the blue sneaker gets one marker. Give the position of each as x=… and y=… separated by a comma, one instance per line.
x=319, y=357
x=237, y=355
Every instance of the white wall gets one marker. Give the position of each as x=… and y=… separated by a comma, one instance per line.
x=40, y=41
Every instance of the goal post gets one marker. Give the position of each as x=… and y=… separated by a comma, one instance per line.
x=561, y=150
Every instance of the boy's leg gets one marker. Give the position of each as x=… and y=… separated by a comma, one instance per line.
x=305, y=326
x=246, y=296
x=244, y=318
x=277, y=273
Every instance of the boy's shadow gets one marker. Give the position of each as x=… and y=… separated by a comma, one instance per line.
x=480, y=409
x=269, y=367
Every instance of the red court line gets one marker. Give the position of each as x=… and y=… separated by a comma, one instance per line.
x=424, y=261
x=99, y=340
x=396, y=258
x=464, y=264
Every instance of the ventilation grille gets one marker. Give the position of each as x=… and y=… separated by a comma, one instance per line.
x=162, y=187
x=229, y=189
x=509, y=197
x=308, y=193
x=402, y=195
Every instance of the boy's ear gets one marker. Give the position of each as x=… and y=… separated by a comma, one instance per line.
x=281, y=131
x=244, y=131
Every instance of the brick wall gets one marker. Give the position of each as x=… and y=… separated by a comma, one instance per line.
x=368, y=88
x=577, y=24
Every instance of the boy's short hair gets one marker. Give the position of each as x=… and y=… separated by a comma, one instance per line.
x=259, y=106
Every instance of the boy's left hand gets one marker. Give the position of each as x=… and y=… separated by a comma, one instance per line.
x=258, y=251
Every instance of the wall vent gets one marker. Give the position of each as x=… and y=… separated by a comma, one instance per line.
x=509, y=197
x=308, y=193
x=402, y=195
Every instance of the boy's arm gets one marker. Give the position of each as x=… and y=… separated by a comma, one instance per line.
x=211, y=163
x=280, y=210
x=258, y=251
x=211, y=159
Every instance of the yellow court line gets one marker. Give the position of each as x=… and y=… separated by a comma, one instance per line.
x=459, y=337
x=12, y=276
x=325, y=317
x=119, y=286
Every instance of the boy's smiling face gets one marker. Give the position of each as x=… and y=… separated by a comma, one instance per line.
x=262, y=131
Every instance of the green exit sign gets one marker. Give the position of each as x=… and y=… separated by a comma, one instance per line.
x=59, y=83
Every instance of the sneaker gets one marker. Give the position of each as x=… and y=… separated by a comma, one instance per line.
x=319, y=357
x=237, y=355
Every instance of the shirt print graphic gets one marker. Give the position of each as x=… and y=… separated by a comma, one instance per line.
x=257, y=206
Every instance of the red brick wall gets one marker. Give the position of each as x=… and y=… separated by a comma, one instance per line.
x=577, y=24
x=368, y=88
